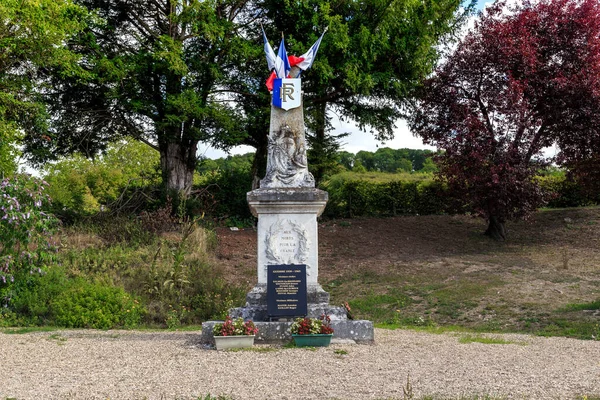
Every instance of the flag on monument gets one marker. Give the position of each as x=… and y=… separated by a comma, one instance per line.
x=309, y=56
x=282, y=64
x=269, y=51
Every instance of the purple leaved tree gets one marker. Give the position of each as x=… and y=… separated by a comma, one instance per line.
x=525, y=78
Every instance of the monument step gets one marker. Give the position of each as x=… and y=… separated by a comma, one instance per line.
x=259, y=313
x=360, y=331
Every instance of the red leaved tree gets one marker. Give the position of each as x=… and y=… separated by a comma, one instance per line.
x=523, y=79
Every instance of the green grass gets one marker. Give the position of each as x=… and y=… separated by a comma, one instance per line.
x=254, y=349
x=28, y=329
x=595, y=305
x=466, y=339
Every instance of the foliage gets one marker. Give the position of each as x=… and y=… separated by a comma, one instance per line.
x=155, y=73
x=89, y=305
x=235, y=327
x=83, y=187
x=312, y=326
x=372, y=58
x=26, y=244
x=32, y=36
x=8, y=151
x=173, y=74
x=389, y=160
x=521, y=81
x=168, y=270
x=223, y=184
x=56, y=299
x=564, y=191
x=371, y=194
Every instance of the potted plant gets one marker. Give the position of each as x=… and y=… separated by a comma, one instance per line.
x=314, y=332
x=234, y=333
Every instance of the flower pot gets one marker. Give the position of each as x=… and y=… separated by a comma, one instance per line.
x=234, y=342
x=313, y=340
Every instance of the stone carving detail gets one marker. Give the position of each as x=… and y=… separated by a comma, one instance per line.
x=287, y=165
x=287, y=243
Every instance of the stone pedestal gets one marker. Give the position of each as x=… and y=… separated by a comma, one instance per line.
x=288, y=234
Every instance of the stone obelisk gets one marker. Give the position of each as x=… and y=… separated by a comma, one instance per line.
x=287, y=205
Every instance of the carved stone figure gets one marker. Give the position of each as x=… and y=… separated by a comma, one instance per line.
x=286, y=160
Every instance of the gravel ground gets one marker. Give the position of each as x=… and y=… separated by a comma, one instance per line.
x=150, y=365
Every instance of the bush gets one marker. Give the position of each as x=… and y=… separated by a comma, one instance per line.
x=56, y=299
x=171, y=275
x=223, y=184
x=93, y=305
x=81, y=187
x=565, y=192
x=26, y=231
x=381, y=194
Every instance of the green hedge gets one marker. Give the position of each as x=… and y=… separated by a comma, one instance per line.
x=380, y=194
x=566, y=192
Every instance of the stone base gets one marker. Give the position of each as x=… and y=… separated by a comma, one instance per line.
x=359, y=331
x=259, y=313
x=317, y=299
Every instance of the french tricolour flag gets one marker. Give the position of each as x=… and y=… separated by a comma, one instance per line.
x=281, y=64
x=309, y=56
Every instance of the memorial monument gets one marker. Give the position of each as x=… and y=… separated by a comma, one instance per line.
x=287, y=205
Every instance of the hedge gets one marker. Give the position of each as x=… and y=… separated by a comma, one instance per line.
x=379, y=194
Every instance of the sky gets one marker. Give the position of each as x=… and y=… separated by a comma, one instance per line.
x=353, y=143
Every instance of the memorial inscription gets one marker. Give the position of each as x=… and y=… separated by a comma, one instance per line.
x=286, y=290
x=287, y=243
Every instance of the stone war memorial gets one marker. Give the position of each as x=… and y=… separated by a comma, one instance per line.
x=287, y=205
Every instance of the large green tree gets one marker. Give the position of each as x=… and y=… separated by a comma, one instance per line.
x=374, y=55
x=32, y=34
x=155, y=74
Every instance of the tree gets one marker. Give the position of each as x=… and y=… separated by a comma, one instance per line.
x=82, y=186
x=31, y=39
x=521, y=81
x=375, y=53
x=155, y=71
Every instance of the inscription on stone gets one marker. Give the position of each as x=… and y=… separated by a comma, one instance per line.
x=287, y=243
x=286, y=291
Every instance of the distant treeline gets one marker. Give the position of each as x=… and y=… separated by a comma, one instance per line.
x=388, y=160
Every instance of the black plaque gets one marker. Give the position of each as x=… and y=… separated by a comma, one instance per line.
x=286, y=291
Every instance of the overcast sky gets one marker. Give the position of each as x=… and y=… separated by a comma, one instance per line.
x=353, y=143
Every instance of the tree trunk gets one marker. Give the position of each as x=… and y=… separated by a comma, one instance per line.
x=178, y=163
x=495, y=228
x=259, y=165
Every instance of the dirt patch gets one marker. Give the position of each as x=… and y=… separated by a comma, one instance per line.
x=446, y=263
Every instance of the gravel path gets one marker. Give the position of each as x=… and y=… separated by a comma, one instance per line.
x=140, y=365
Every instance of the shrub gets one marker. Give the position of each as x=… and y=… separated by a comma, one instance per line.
x=565, y=192
x=80, y=186
x=26, y=231
x=382, y=194
x=94, y=305
x=56, y=299
x=223, y=184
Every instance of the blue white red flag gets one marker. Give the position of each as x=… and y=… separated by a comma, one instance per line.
x=309, y=56
x=269, y=51
x=282, y=64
